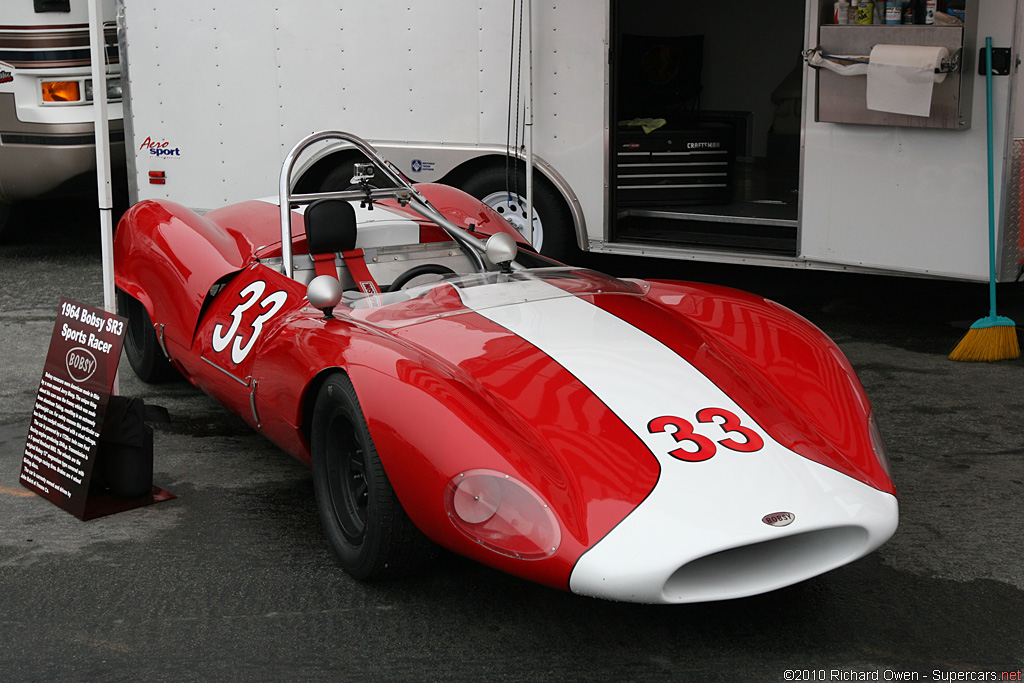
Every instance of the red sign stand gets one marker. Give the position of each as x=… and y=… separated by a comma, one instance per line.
x=71, y=402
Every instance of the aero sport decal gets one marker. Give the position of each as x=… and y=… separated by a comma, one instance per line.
x=701, y=447
x=270, y=305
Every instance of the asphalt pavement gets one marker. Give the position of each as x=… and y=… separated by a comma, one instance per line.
x=233, y=581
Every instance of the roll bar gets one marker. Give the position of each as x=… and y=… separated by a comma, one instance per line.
x=404, y=192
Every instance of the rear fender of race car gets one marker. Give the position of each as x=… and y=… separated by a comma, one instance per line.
x=465, y=210
x=168, y=257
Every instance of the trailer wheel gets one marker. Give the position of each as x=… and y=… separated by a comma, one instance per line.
x=553, y=232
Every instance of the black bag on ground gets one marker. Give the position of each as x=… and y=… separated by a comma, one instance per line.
x=124, y=461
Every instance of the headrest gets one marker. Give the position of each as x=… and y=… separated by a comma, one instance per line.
x=330, y=226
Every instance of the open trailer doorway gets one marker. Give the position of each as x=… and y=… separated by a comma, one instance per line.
x=718, y=87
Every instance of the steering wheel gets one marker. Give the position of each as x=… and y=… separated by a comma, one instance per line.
x=414, y=272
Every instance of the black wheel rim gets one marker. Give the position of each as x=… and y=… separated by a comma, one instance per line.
x=346, y=479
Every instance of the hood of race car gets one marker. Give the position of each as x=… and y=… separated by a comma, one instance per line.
x=786, y=375
x=686, y=422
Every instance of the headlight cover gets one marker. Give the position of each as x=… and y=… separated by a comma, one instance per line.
x=502, y=514
x=113, y=89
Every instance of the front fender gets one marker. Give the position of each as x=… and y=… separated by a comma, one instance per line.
x=786, y=372
x=509, y=410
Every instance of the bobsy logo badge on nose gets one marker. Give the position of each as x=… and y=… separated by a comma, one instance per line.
x=779, y=519
x=81, y=364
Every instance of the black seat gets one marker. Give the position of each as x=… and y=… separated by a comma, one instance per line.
x=330, y=226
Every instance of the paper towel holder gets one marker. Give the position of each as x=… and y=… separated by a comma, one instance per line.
x=814, y=57
x=951, y=65
x=841, y=99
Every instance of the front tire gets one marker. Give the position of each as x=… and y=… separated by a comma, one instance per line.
x=371, y=535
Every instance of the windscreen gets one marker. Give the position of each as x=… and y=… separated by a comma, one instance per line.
x=455, y=294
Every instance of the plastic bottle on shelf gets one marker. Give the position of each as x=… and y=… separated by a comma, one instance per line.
x=908, y=12
x=866, y=13
x=893, y=12
x=918, y=9
x=842, y=15
x=929, y=14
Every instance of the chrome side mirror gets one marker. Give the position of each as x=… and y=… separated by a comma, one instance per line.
x=501, y=250
x=324, y=292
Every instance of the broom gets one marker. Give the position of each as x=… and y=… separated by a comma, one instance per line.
x=994, y=337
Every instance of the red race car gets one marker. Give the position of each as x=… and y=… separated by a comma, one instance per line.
x=646, y=441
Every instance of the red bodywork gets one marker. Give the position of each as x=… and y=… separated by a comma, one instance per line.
x=450, y=393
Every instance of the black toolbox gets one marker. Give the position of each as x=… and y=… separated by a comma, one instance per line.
x=674, y=167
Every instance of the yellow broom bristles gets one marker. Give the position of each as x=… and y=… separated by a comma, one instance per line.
x=988, y=344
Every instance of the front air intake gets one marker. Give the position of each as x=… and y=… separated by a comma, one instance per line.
x=764, y=566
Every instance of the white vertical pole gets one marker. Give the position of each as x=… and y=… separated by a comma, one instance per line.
x=528, y=117
x=97, y=46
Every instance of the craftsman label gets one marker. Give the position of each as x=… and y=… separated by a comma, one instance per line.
x=60, y=450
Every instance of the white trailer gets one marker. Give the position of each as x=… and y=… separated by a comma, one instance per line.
x=47, y=141
x=760, y=159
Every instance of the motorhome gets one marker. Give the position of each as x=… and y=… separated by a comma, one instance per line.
x=47, y=140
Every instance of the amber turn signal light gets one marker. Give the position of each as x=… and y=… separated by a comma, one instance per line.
x=61, y=91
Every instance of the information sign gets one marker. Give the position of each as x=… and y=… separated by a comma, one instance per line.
x=63, y=436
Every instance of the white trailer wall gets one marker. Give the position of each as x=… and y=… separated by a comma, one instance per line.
x=906, y=199
x=233, y=84
x=230, y=85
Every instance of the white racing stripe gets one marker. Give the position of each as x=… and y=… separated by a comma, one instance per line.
x=696, y=508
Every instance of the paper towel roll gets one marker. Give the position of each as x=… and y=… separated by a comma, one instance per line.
x=901, y=78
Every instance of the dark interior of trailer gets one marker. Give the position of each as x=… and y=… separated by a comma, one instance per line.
x=706, y=103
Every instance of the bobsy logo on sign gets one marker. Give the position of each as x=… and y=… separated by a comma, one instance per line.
x=160, y=148
x=81, y=364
